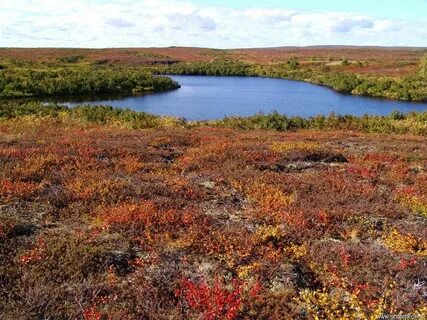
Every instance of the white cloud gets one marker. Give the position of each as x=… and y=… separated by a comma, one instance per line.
x=118, y=23
x=348, y=24
x=85, y=23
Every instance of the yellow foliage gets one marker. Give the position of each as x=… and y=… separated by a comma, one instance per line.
x=344, y=305
x=180, y=243
x=265, y=233
x=320, y=304
x=41, y=142
x=267, y=196
x=296, y=251
x=416, y=204
x=245, y=271
x=294, y=145
x=398, y=242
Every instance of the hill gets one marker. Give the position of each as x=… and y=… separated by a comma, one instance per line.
x=382, y=61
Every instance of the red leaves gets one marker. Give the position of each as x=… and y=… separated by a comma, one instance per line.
x=364, y=172
x=406, y=263
x=359, y=288
x=323, y=217
x=212, y=301
x=380, y=158
x=218, y=301
x=407, y=191
x=342, y=184
x=256, y=290
x=295, y=218
x=10, y=188
x=35, y=254
x=345, y=255
x=92, y=314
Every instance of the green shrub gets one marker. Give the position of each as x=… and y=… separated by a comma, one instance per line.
x=77, y=81
x=292, y=64
x=396, y=122
x=71, y=59
x=345, y=62
x=214, y=68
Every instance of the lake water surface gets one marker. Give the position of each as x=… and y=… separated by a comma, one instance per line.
x=202, y=97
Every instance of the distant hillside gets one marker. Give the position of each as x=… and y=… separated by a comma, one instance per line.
x=388, y=61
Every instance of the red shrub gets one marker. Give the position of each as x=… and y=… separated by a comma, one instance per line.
x=94, y=314
x=212, y=301
x=345, y=256
x=406, y=263
x=364, y=172
x=10, y=188
x=34, y=254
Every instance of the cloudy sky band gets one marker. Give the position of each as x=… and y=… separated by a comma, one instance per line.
x=149, y=23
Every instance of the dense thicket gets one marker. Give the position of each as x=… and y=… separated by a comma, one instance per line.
x=409, y=88
x=31, y=82
x=214, y=68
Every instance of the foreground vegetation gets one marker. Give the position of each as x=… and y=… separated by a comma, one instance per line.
x=396, y=122
x=203, y=221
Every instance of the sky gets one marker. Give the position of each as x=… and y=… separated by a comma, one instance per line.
x=214, y=24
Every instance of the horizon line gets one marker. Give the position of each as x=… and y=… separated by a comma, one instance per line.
x=215, y=48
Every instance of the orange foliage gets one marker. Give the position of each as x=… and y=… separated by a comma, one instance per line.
x=142, y=215
x=10, y=188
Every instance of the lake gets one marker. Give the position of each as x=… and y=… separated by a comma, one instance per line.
x=206, y=98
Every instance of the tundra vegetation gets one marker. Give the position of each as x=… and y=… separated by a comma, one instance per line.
x=113, y=214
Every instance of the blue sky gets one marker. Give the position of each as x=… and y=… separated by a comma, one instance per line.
x=208, y=23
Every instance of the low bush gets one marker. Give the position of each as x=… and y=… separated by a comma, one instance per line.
x=396, y=122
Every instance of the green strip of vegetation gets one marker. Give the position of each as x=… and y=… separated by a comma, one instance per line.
x=396, y=122
x=13, y=109
x=31, y=82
